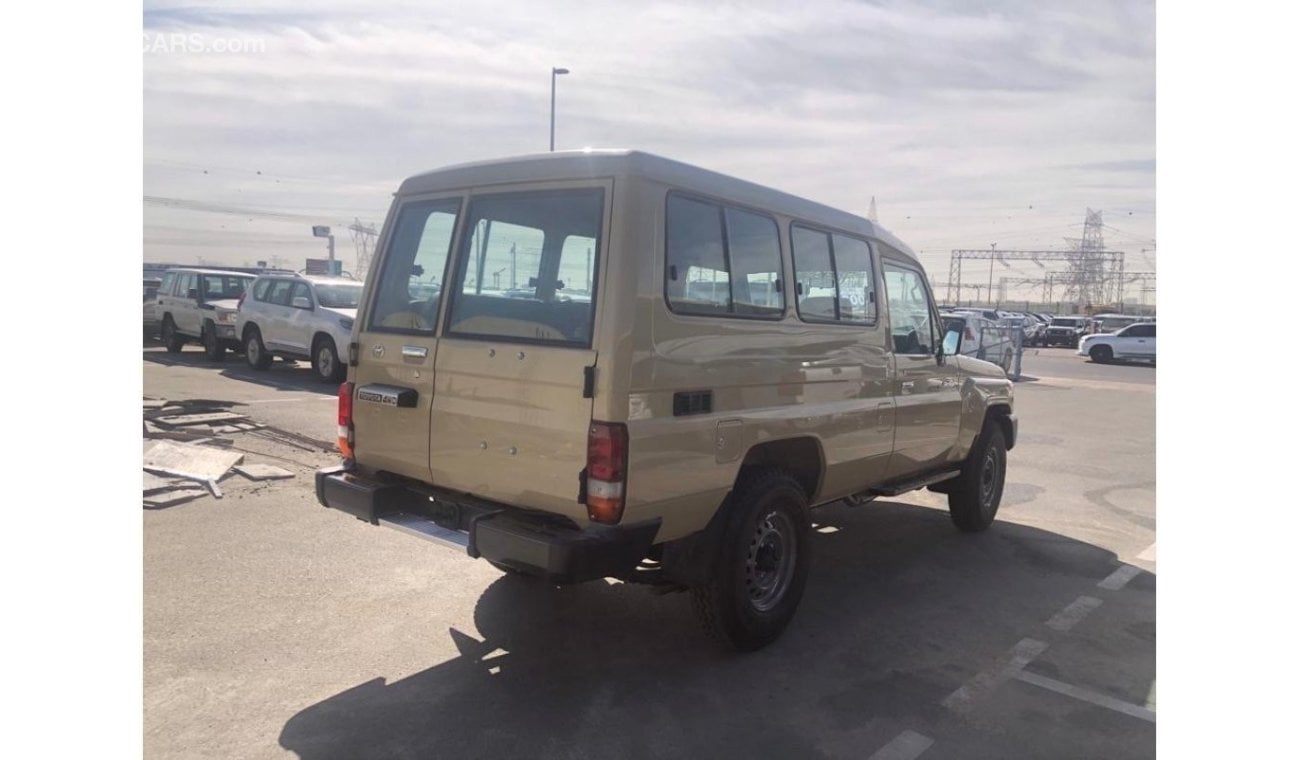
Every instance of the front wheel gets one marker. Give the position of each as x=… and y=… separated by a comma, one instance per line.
x=1101, y=354
x=325, y=360
x=762, y=564
x=213, y=348
x=974, y=496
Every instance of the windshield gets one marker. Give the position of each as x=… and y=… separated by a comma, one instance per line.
x=339, y=295
x=217, y=287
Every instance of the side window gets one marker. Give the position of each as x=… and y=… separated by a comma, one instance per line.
x=698, y=278
x=722, y=260
x=300, y=290
x=410, y=282
x=814, y=274
x=856, y=279
x=834, y=274
x=754, y=252
x=1141, y=331
x=168, y=283
x=259, y=290
x=186, y=285
x=279, y=294
x=910, y=322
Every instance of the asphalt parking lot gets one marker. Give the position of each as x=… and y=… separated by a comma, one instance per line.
x=276, y=628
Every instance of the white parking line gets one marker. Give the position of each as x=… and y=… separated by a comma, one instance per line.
x=1086, y=695
x=1021, y=655
x=906, y=746
x=1118, y=579
x=1073, y=613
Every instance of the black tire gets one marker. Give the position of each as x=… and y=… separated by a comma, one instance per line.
x=974, y=496
x=255, y=350
x=325, y=361
x=213, y=348
x=1101, y=354
x=172, y=339
x=755, y=585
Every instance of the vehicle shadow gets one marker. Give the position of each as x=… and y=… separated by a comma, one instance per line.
x=899, y=611
x=281, y=375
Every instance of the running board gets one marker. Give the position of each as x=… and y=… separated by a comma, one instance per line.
x=903, y=486
x=423, y=527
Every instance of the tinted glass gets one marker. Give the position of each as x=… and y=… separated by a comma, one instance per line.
x=259, y=289
x=280, y=290
x=338, y=295
x=409, y=289
x=814, y=274
x=754, y=251
x=856, y=279
x=300, y=290
x=698, y=278
x=217, y=287
x=528, y=231
x=168, y=284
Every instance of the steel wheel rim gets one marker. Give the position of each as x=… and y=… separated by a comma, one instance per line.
x=254, y=352
x=989, y=474
x=770, y=560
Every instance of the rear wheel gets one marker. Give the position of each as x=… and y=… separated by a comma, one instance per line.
x=170, y=337
x=213, y=348
x=762, y=564
x=325, y=361
x=974, y=496
x=255, y=350
x=1101, y=354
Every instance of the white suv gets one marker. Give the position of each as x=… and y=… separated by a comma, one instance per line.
x=1137, y=341
x=200, y=304
x=299, y=317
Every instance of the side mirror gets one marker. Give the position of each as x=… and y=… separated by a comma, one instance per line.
x=951, y=343
x=302, y=302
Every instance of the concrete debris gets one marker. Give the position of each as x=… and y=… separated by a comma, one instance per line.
x=185, y=455
x=262, y=472
x=204, y=464
x=173, y=497
x=154, y=483
x=185, y=420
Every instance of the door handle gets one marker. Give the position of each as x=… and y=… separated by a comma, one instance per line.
x=414, y=352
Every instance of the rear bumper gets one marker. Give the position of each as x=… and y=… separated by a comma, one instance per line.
x=536, y=543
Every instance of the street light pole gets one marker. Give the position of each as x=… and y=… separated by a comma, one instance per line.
x=554, y=73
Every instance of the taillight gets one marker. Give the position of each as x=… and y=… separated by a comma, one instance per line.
x=606, y=471
x=345, y=420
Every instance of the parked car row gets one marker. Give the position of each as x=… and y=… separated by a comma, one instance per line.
x=289, y=315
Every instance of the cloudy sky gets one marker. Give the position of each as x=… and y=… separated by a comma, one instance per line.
x=971, y=122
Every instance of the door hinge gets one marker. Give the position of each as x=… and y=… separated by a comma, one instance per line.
x=589, y=382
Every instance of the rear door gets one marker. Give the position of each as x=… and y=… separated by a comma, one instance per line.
x=397, y=343
x=298, y=319
x=510, y=415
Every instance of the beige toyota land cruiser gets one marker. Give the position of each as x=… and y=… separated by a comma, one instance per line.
x=598, y=364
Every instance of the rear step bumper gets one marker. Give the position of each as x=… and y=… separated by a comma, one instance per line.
x=551, y=547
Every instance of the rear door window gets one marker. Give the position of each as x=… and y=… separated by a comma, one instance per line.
x=409, y=290
x=545, y=242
